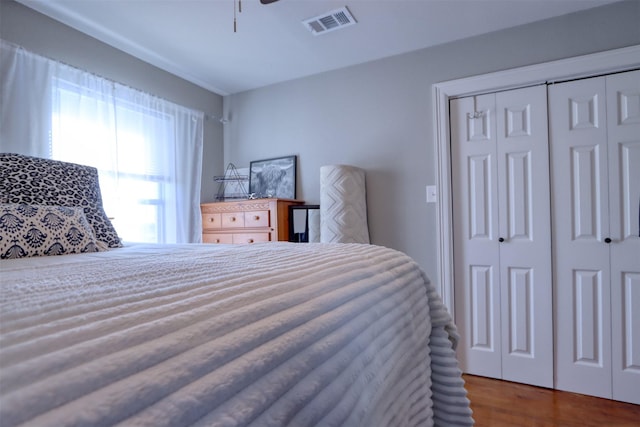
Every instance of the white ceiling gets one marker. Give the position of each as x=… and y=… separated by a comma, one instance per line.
x=195, y=39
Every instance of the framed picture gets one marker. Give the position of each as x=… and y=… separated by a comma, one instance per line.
x=273, y=178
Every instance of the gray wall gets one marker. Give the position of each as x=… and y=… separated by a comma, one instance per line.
x=375, y=115
x=378, y=116
x=47, y=37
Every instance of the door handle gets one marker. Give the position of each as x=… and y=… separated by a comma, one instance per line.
x=607, y=240
x=501, y=239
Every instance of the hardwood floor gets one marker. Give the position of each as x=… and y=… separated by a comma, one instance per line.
x=498, y=403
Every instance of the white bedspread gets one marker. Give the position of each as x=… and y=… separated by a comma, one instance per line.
x=213, y=335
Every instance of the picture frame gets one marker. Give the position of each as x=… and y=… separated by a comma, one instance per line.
x=273, y=178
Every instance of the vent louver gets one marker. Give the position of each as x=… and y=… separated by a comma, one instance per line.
x=330, y=21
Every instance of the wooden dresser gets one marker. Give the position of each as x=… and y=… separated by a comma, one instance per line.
x=246, y=221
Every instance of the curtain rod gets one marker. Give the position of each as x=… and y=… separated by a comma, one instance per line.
x=213, y=117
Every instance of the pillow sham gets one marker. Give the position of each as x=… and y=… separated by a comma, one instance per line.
x=32, y=230
x=36, y=181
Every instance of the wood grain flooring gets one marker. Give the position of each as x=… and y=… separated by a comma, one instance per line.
x=498, y=403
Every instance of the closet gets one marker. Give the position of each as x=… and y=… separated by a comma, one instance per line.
x=546, y=234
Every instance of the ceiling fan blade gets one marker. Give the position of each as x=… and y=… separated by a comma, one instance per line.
x=268, y=1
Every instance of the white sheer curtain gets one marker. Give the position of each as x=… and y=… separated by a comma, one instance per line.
x=148, y=151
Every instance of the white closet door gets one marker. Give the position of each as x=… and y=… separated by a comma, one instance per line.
x=475, y=224
x=623, y=125
x=581, y=225
x=501, y=235
x=525, y=253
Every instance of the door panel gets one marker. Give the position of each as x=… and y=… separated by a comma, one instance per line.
x=623, y=131
x=525, y=256
x=479, y=196
x=629, y=191
x=587, y=322
x=521, y=309
x=585, y=112
x=586, y=187
x=519, y=215
x=482, y=309
x=630, y=323
x=578, y=140
x=476, y=251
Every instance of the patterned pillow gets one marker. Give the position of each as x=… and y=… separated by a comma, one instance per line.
x=27, y=231
x=36, y=181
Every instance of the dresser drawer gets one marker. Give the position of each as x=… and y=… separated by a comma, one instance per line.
x=232, y=220
x=251, y=237
x=256, y=219
x=217, y=238
x=211, y=220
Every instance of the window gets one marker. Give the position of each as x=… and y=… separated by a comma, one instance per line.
x=129, y=146
x=148, y=151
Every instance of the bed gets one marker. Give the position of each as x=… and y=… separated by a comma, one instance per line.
x=273, y=334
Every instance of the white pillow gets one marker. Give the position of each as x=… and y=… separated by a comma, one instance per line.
x=35, y=230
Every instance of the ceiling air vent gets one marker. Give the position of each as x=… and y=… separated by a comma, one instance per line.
x=334, y=20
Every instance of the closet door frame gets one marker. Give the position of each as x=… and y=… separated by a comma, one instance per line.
x=566, y=69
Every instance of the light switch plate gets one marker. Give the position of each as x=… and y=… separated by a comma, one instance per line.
x=431, y=194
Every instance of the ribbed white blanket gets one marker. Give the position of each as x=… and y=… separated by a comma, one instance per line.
x=208, y=335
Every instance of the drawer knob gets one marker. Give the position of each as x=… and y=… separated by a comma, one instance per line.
x=211, y=219
x=256, y=218
x=250, y=241
x=233, y=219
x=217, y=240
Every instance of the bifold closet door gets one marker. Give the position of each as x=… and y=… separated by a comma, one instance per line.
x=502, y=260
x=623, y=131
x=595, y=153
